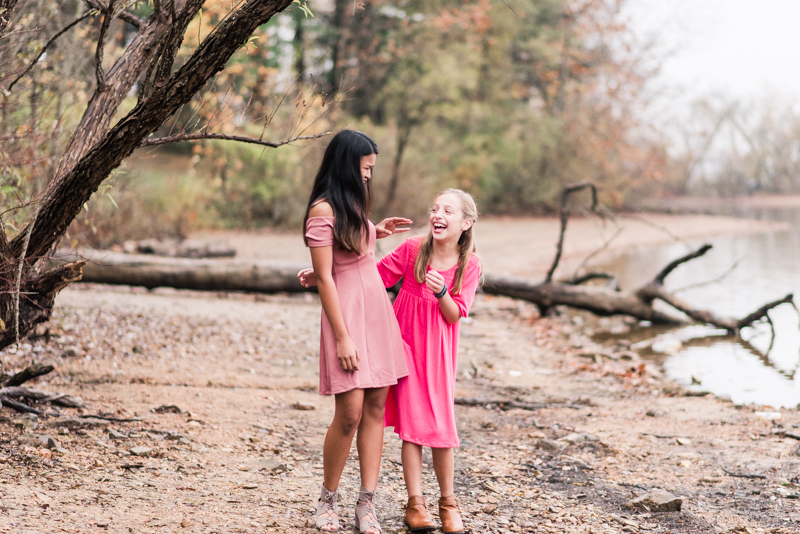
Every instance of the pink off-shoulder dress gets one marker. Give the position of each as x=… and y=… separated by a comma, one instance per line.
x=421, y=406
x=368, y=317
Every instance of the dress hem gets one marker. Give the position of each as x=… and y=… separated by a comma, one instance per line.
x=365, y=387
x=427, y=444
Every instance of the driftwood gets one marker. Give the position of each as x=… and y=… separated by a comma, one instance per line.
x=26, y=374
x=40, y=396
x=181, y=248
x=12, y=392
x=150, y=271
x=509, y=404
x=272, y=277
x=610, y=300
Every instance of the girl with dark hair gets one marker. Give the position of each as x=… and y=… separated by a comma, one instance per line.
x=361, y=349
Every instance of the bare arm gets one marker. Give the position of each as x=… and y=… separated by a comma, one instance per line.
x=322, y=261
x=447, y=305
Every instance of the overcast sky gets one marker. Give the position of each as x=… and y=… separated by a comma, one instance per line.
x=744, y=48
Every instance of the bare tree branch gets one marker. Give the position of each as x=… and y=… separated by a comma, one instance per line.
x=108, y=14
x=674, y=264
x=709, y=282
x=127, y=16
x=598, y=250
x=663, y=229
x=565, y=193
x=762, y=311
x=131, y=19
x=203, y=136
x=47, y=45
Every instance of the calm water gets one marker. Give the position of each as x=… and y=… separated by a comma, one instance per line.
x=768, y=268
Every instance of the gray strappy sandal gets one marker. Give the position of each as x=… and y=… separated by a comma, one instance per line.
x=327, y=511
x=366, y=517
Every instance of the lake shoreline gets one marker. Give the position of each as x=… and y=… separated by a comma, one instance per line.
x=526, y=246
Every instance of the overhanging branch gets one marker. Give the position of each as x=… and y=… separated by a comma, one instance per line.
x=223, y=137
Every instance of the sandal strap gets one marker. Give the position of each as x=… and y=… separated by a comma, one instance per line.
x=327, y=503
x=366, y=516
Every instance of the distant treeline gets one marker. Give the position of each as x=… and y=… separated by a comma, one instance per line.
x=508, y=100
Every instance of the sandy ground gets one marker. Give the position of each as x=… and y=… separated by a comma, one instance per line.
x=244, y=454
x=525, y=247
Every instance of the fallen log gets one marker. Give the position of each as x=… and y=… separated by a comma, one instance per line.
x=272, y=277
x=18, y=406
x=29, y=373
x=37, y=395
x=610, y=300
x=103, y=267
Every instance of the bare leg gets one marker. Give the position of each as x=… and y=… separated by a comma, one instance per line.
x=412, y=468
x=339, y=437
x=370, y=436
x=443, y=465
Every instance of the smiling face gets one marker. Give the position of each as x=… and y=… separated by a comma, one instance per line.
x=367, y=164
x=447, y=218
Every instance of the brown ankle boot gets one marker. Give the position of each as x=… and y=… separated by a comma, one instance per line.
x=450, y=516
x=417, y=518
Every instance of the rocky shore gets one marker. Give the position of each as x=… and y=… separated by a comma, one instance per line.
x=210, y=422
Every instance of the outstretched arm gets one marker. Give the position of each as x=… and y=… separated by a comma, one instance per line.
x=389, y=226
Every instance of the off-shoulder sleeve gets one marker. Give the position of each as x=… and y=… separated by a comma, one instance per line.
x=319, y=231
x=392, y=267
x=472, y=278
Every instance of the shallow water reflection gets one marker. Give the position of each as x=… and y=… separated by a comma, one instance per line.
x=760, y=370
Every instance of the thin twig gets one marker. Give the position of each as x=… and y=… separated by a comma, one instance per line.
x=598, y=250
x=47, y=45
x=742, y=475
x=509, y=7
x=714, y=281
x=20, y=266
x=202, y=136
x=658, y=227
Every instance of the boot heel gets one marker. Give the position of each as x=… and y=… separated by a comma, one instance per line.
x=450, y=516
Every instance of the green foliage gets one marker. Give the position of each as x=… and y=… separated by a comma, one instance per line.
x=507, y=104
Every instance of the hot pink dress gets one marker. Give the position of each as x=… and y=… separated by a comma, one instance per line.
x=368, y=316
x=421, y=406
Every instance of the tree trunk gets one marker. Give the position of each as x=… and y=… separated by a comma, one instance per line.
x=94, y=152
x=404, y=128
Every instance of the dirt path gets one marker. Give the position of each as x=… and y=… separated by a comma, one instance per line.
x=245, y=455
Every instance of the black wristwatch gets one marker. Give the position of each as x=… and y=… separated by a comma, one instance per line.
x=441, y=293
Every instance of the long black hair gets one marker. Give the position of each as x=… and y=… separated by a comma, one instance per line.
x=339, y=183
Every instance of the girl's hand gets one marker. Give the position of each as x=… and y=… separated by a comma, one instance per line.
x=434, y=281
x=307, y=277
x=389, y=226
x=347, y=354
